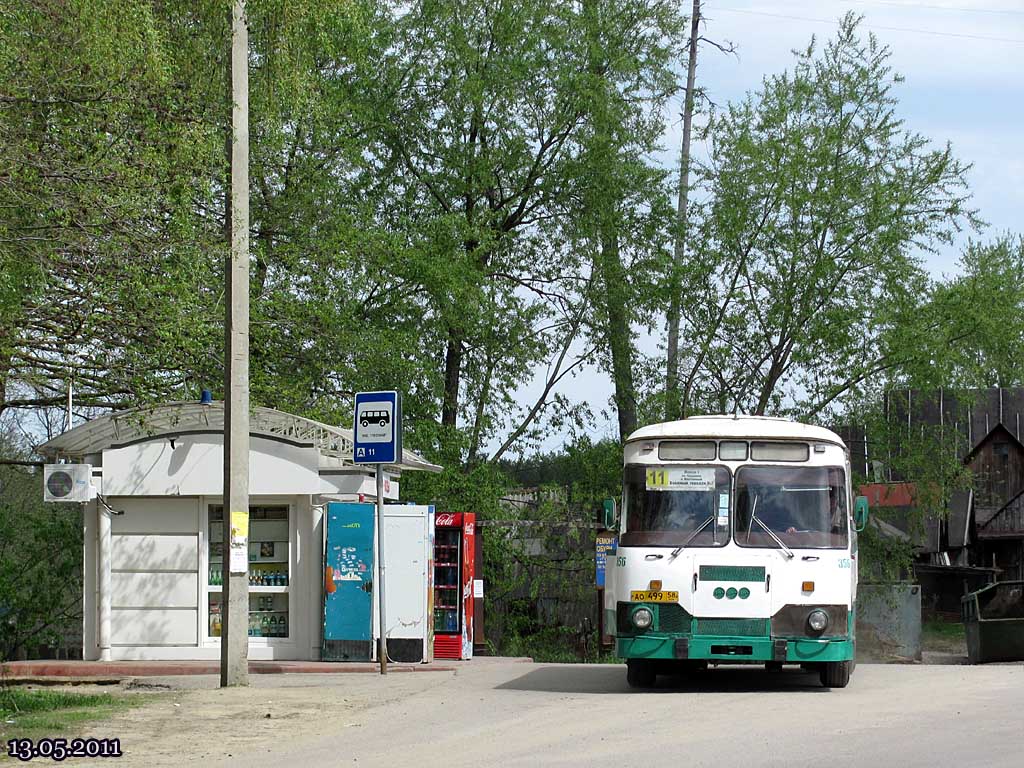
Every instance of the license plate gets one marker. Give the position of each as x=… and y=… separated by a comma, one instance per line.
x=646, y=596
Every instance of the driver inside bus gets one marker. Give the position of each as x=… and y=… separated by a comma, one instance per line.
x=777, y=515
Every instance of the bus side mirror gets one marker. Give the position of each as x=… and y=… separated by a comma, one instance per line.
x=610, y=518
x=860, y=513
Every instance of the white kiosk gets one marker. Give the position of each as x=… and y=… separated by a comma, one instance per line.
x=153, y=564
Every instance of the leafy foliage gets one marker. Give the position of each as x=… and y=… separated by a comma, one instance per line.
x=981, y=316
x=807, y=282
x=925, y=457
x=102, y=267
x=40, y=564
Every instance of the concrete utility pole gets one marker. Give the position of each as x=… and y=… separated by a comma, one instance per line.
x=674, y=405
x=234, y=643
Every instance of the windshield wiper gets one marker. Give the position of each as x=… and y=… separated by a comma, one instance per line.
x=769, y=531
x=691, y=537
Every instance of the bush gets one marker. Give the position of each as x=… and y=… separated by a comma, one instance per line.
x=40, y=564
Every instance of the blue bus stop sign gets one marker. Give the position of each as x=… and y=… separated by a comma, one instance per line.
x=377, y=428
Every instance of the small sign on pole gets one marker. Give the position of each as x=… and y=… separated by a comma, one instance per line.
x=605, y=544
x=377, y=439
x=377, y=428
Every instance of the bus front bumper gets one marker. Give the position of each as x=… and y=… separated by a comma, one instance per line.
x=734, y=649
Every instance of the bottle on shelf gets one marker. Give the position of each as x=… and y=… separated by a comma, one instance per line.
x=282, y=625
x=265, y=626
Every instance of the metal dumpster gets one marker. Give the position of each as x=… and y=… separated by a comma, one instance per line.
x=994, y=622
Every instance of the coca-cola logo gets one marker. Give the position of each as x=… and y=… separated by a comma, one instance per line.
x=446, y=519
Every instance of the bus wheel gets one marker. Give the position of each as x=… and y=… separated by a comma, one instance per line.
x=836, y=674
x=640, y=674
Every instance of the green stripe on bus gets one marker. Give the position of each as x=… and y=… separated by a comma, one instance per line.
x=734, y=627
x=732, y=573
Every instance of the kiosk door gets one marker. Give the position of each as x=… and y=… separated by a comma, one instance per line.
x=348, y=583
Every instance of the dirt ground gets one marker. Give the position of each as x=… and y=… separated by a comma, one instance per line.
x=494, y=712
x=184, y=720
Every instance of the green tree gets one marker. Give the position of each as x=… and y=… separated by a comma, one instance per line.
x=926, y=457
x=102, y=272
x=807, y=282
x=623, y=210
x=981, y=315
x=40, y=561
x=477, y=155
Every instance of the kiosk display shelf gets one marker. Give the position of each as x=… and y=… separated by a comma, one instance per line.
x=269, y=548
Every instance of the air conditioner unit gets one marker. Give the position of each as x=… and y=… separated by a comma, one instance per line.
x=68, y=482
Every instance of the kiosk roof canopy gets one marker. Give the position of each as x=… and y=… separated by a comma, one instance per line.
x=122, y=427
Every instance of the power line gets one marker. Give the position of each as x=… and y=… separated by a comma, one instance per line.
x=911, y=6
x=877, y=26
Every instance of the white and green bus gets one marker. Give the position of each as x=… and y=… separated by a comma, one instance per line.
x=737, y=542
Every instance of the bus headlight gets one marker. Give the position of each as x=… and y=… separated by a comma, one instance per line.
x=817, y=620
x=642, y=618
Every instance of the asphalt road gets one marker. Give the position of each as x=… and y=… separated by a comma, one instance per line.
x=514, y=714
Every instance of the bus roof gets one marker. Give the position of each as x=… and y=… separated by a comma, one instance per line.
x=754, y=427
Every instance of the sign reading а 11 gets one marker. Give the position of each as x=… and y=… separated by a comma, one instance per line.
x=378, y=428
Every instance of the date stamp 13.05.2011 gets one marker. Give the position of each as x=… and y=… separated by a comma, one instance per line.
x=59, y=750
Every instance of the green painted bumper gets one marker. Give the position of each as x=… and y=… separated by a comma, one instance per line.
x=799, y=651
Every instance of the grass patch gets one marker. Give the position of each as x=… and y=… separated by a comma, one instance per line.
x=558, y=645
x=943, y=636
x=34, y=714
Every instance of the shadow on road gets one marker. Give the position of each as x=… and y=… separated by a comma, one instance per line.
x=593, y=678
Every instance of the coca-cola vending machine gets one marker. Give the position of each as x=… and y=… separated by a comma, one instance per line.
x=454, y=539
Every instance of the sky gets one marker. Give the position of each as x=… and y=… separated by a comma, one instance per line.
x=963, y=64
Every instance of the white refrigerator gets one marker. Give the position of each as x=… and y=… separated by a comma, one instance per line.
x=409, y=589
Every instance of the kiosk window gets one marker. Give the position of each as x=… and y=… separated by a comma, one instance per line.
x=269, y=582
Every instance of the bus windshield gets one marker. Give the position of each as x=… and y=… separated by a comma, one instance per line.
x=803, y=506
x=667, y=505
